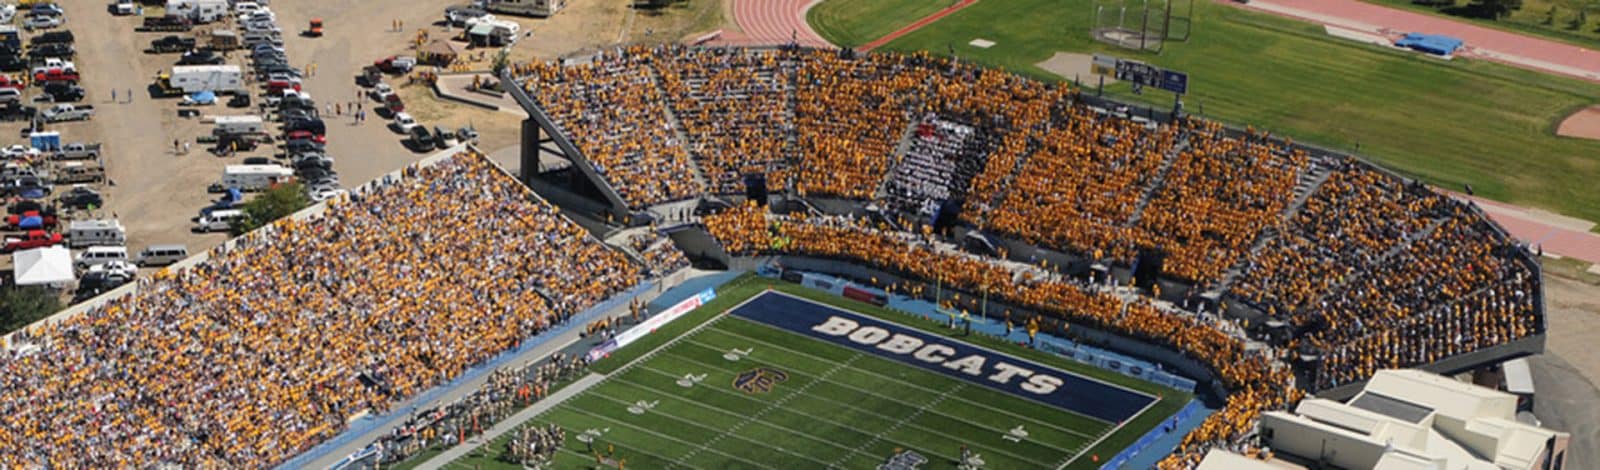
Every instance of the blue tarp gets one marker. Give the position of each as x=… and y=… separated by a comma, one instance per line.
x=204, y=97
x=1430, y=43
x=31, y=222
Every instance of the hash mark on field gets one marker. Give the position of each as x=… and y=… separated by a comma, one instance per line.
x=774, y=406
x=903, y=421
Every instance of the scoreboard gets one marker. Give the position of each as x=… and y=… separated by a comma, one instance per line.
x=1140, y=74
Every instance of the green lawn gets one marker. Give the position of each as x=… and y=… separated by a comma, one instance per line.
x=1536, y=18
x=1449, y=123
x=837, y=407
x=853, y=23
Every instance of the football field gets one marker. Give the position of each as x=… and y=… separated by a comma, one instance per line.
x=783, y=381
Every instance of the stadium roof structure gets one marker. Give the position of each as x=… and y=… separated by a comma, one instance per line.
x=1407, y=419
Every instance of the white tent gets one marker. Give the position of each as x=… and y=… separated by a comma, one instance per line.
x=52, y=265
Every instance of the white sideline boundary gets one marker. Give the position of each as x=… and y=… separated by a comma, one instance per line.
x=461, y=450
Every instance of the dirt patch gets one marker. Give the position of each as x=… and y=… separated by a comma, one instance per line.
x=1584, y=124
x=1072, y=66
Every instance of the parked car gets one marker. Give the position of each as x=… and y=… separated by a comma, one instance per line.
x=31, y=220
x=171, y=44
x=404, y=122
x=19, y=151
x=306, y=135
x=63, y=51
x=42, y=22
x=62, y=92
x=421, y=138
x=12, y=62
x=52, y=37
x=77, y=151
x=201, y=57
x=303, y=146
x=81, y=197
x=15, y=111
x=443, y=138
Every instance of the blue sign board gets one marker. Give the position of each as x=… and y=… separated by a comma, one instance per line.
x=1176, y=82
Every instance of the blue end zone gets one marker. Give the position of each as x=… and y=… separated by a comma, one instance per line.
x=1027, y=379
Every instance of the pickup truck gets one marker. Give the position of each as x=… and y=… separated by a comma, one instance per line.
x=68, y=112
x=165, y=23
x=395, y=64
x=56, y=75
x=123, y=8
x=77, y=151
x=168, y=44
x=52, y=37
x=33, y=239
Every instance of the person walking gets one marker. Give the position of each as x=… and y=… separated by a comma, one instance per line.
x=113, y=95
x=130, y=95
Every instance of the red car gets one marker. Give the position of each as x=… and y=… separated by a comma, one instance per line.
x=34, y=239
x=7, y=82
x=394, y=103
x=56, y=75
x=276, y=87
x=304, y=134
x=14, y=221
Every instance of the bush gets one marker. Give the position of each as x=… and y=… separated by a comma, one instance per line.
x=271, y=205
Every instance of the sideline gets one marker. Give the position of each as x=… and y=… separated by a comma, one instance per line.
x=513, y=422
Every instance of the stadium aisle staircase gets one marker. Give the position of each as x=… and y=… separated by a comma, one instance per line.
x=1149, y=193
x=1317, y=173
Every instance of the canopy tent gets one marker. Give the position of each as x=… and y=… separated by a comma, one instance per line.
x=50, y=265
x=437, y=52
x=1436, y=44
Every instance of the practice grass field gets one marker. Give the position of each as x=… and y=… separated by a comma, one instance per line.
x=677, y=406
x=1447, y=122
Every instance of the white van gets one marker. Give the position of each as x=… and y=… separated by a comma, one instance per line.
x=219, y=220
x=100, y=254
x=161, y=255
x=109, y=232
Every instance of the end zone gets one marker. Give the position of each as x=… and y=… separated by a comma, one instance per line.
x=1052, y=386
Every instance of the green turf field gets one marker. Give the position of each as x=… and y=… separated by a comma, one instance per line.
x=1449, y=123
x=676, y=406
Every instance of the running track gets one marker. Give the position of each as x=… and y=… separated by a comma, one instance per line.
x=1492, y=44
x=771, y=23
x=915, y=26
x=1554, y=239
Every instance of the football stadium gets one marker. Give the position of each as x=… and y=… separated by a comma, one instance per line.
x=752, y=248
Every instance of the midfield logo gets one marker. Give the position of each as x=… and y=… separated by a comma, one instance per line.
x=904, y=460
x=759, y=380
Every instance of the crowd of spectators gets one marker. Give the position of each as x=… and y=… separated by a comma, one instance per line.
x=1079, y=185
x=1347, y=225
x=613, y=110
x=266, y=348
x=1217, y=197
x=659, y=254
x=734, y=106
x=1259, y=382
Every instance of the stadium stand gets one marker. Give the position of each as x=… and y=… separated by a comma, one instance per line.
x=1365, y=269
x=267, y=347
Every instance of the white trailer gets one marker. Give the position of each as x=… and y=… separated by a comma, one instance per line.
x=201, y=11
x=255, y=177
x=190, y=79
x=238, y=125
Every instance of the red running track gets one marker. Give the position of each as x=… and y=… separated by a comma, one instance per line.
x=771, y=23
x=1551, y=238
x=1550, y=56
x=936, y=16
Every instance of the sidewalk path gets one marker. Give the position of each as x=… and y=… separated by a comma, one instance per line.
x=1488, y=43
